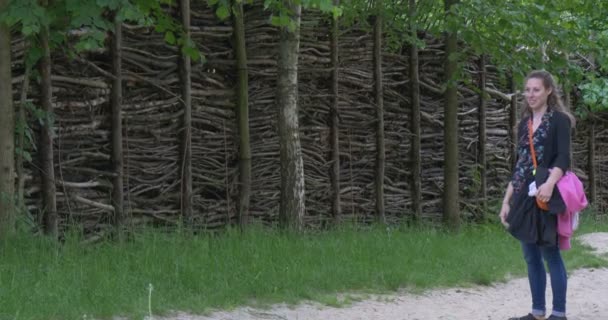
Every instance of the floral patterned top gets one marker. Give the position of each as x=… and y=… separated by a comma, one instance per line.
x=524, y=165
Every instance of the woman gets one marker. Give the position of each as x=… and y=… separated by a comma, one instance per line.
x=545, y=115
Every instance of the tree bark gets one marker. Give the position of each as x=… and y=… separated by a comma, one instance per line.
x=49, y=196
x=416, y=187
x=116, y=105
x=513, y=120
x=567, y=89
x=7, y=133
x=185, y=73
x=242, y=113
x=292, y=206
x=22, y=121
x=335, y=126
x=481, y=146
x=451, y=197
x=591, y=163
x=379, y=98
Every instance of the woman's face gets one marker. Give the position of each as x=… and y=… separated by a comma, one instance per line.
x=536, y=93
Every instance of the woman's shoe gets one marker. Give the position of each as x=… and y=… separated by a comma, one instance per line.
x=529, y=316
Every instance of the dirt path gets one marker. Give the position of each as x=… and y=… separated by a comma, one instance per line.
x=587, y=299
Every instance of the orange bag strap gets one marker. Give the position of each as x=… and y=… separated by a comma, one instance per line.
x=532, y=151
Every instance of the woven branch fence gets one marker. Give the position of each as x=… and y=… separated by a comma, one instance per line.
x=152, y=120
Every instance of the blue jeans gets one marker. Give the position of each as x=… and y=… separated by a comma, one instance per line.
x=534, y=254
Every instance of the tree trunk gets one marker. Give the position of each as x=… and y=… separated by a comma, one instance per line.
x=481, y=146
x=567, y=89
x=591, y=163
x=591, y=146
x=568, y=102
x=379, y=98
x=513, y=120
x=292, y=206
x=416, y=187
x=185, y=73
x=22, y=123
x=116, y=105
x=242, y=113
x=49, y=196
x=7, y=133
x=335, y=126
x=451, y=198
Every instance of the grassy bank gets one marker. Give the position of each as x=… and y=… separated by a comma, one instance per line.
x=44, y=280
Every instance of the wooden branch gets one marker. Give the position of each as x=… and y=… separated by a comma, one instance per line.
x=102, y=206
x=88, y=184
x=503, y=96
x=82, y=82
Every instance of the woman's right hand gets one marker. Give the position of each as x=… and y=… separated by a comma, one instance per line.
x=504, y=212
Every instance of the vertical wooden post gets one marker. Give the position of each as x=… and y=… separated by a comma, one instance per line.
x=481, y=146
x=49, y=196
x=513, y=120
x=451, y=202
x=186, y=147
x=335, y=127
x=591, y=163
x=7, y=133
x=416, y=187
x=22, y=122
x=116, y=105
x=379, y=99
x=242, y=113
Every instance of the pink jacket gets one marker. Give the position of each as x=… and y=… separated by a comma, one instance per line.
x=573, y=194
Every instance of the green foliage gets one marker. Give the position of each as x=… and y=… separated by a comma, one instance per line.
x=595, y=95
x=91, y=20
x=281, y=14
x=528, y=35
x=28, y=13
x=518, y=34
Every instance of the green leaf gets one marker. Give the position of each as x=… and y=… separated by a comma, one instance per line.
x=337, y=12
x=326, y=5
x=275, y=21
x=222, y=12
x=192, y=52
x=27, y=30
x=33, y=55
x=170, y=37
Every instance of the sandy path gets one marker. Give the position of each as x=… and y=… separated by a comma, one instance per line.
x=587, y=299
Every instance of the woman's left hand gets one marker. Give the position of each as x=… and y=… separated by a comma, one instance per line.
x=545, y=191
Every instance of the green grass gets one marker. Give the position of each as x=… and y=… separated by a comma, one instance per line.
x=40, y=279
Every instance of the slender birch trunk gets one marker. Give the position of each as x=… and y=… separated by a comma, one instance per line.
x=292, y=206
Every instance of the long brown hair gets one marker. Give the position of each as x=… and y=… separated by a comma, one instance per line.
x=554, y=100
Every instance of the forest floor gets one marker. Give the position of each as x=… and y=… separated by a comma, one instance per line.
x=587, y=292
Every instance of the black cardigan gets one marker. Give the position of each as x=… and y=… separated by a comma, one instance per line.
x=526, y=222
x=557, y=143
